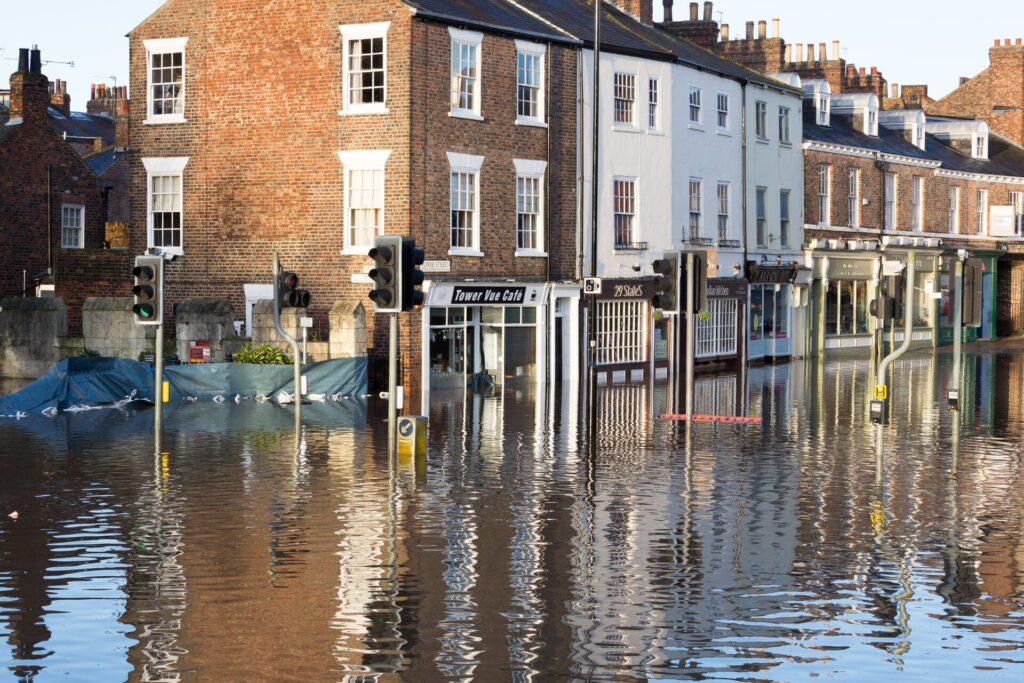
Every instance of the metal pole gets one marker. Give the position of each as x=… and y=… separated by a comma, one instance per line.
x=304, y=357
x=690, y=346
x=158, y=378
x=958, y=326
x=908, y=326
x=288, y=338
x=392, y=383
x=592, y=308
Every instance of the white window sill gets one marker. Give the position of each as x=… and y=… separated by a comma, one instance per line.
x=164, y=120
x=72, y=246
x=655, y=131
x=356, y=251
x=465, y=114
x=360, y=279
x=625, y=128
x=724, y=132
x=530, y=253
x=463, y=251
x=536, y=123
x=695, y=126
x=172, y=251
x=786, y=144
x=364, y=110
x=760, y=140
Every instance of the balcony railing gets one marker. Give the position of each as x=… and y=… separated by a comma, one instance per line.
x=631, y=246
x=700, y=242
x=729, y=244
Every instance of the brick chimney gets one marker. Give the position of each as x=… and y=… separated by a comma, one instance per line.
x=30, y=94
x=641, y=9
x=121, y=137
x=703, y=32
x=59, y=97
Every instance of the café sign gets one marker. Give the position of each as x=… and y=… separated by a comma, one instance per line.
x=486, y=295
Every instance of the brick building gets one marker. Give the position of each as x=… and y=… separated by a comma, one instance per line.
x=996, y=95
x=306, y=128
x=52, y=205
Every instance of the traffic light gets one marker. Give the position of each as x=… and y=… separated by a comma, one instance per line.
x=974, y=271
x=412, y=276
x=666, y=283
x=148, y=290
x=288, y=293
x=881, y=307
x=386, y=274
x=893, y=290
x=699, y=278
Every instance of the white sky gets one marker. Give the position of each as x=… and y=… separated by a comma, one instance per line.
x=911, y=41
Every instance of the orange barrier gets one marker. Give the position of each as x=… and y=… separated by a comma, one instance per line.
x=730, y=419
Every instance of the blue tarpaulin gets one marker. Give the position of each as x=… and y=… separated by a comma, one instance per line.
x=98, y=381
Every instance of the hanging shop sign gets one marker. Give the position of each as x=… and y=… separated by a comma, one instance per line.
x=484, y=294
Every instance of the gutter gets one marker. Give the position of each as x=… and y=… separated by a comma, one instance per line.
x=493, y=28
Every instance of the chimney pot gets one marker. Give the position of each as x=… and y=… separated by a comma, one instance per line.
x=63, y=87
x=810, y=53
x=874, y=71
x=23, y=60
x=895, y=91
x=92, y=89
x=799, y=53
x=693, y=11
x=996, y=43
x=851, y=71
x=707, y=11
x=725, y=32
x=863, y=72
x=775, y=28
x=1018, y=41
x=822, y=53
x=666, y=6
x=1006, y=42
x=750, y=30
x=789, y=54
x=35, y=61
x=835, y=49
x=762, y=29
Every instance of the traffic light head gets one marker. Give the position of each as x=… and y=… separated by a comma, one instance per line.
x=974, y=273
x=386, y=273
x=699, y=277
x=148, y=290
x=288, y=293
x=411, y=275
x=666, y=283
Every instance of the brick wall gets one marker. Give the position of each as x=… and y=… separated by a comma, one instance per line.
x=263, y=134
x=92, y=272
x=996, y=95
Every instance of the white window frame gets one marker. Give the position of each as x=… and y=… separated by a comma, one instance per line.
x=761, y=215
x=634, y=222
x=761, y=120
x=162, y=46
x=824, y=194
x=872, y=123
x=722, y=112
x=784, y=120
x=917, y=203
x=164, y=166
x=723, y=201
x=981, y=218
x=695, y=208
x=533, y=170
x=853, y=197
x=653, y=103
x=824, y=110
x=695, y=109
x=80, y=210
x=980, y=147
x=622, y=331
x=471, y=164
x=472, y=39
x=784, y=219
x=631, y=123
x=361, y=160
x=890, y=210
x=1016, y=200
x=539, y=51
x=954, y=209
x=349, y=33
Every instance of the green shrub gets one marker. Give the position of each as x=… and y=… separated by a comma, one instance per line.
x=264, y=354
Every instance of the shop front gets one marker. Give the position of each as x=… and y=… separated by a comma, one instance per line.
x=772, y=302
x=485, y=335
x=631, y=339
x=720, y=328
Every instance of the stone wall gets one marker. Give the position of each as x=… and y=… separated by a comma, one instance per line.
x=30, y=333
x=209, y=320
x=109, y=329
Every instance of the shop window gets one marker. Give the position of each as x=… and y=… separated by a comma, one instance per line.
x=621, y=332
x=846, y=308
x=449, y=361
x=716, y=336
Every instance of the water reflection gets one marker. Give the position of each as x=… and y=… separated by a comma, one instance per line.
x=771, y=552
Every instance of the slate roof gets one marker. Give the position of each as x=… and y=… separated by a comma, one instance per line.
x=572, y=22
x=1004, y=158
x=101, y=161
x=841, y=132
x=82, y=125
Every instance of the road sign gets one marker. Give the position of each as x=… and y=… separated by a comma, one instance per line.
x=881, y=392
x=892, y=267
x=306, y=322
x=592, y=285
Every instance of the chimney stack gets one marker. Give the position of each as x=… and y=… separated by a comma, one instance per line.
x=641, y=9
x=762, y=29
x=708, y=7
x=693, y=11
x=703, y=32
x=666, y=6
x=30, y=90
x=121, y=128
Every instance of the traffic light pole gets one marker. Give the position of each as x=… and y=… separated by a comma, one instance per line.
x=908, y=330
x=290, y=339
x=958, y=325
x=689, y=336
x=158, y=382
x=393, y=383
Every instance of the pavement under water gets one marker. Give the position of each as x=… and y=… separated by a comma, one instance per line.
x=785, y=550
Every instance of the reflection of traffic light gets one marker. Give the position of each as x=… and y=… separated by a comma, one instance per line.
x=288, y=293
x=666, y=283
x=412, y=276
x=386, y=273
x=148, y=290
x=974, y=272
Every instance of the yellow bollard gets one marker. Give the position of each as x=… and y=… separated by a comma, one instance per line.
x=166, y=391
x=412, y=437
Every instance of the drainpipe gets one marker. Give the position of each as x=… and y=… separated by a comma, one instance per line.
x=547, y=175
x=49, y=222
x=742, y=347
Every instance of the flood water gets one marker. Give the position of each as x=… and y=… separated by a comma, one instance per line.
x=787, y=550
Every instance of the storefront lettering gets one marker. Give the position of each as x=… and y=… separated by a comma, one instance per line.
x=628, y=291
x=489, y=295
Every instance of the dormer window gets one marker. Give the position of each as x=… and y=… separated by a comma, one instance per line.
x=872, y=123
x=980, y=147
x=919, y=137
x=823, y=115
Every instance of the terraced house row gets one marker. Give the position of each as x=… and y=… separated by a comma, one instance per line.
x=307, y=128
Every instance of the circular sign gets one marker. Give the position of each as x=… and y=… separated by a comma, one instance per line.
x=406, y=427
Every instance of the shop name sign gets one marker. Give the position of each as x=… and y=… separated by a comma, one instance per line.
x=486, y=295
x=850, y=269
